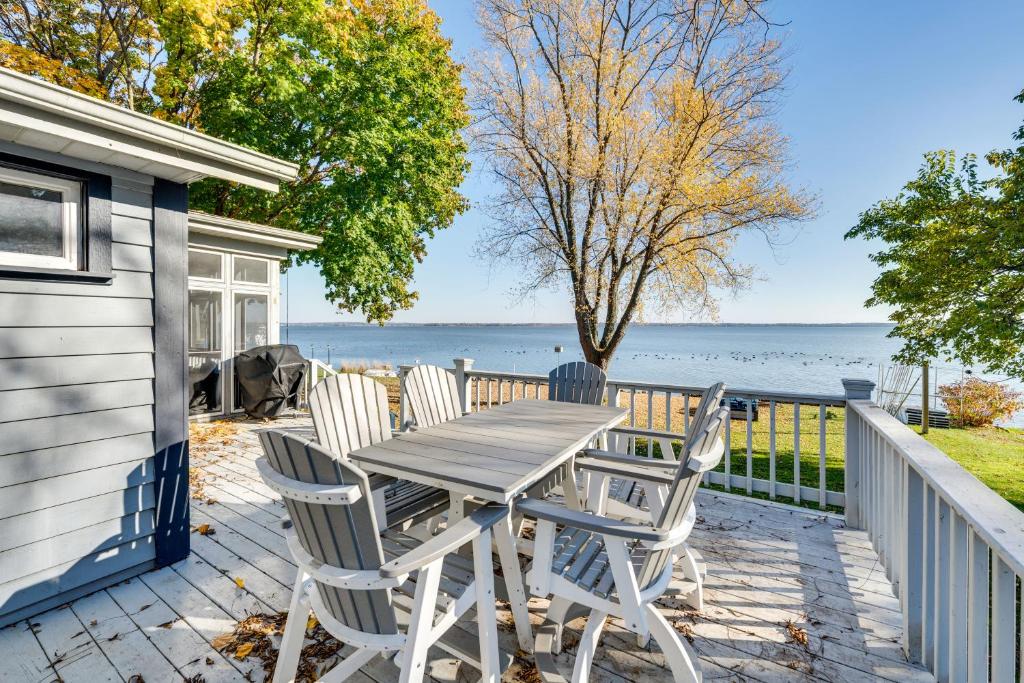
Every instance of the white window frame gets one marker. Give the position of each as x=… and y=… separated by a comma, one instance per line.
x=210, y=280
x=71, y=211
x=249, y=283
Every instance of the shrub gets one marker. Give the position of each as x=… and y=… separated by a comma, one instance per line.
x=974, y=402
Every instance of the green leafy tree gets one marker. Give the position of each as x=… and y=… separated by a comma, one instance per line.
x=953, y=262
x=362, y=94
x=371, y=105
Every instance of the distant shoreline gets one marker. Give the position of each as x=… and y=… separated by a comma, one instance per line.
x=358, y=324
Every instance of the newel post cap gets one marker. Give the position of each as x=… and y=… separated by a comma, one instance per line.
x=858, y=388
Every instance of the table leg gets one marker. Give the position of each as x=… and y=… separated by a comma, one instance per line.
x=572, y=496
x=456, y=507
x=513, y=576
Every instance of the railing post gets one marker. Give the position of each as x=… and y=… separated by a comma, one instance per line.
x=612, y=390
x=463, y=383
x=855, y=389
x=403, y=399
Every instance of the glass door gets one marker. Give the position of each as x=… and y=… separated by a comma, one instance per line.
x=205, y=350
x=252, y=327
x=252, y=321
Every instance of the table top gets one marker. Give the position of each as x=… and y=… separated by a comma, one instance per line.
x=494, y=454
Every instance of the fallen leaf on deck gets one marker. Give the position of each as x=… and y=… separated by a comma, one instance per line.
x=209, y=661
x=243, y=650
x=222, y=641
x=136, y=678
x=797, y=634
x=686, y=630
x=205, y=530
x=168, y=624
x=311, y=623
x=240, y=582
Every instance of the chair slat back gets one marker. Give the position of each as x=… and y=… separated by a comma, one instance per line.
x=710, y=401
x=342, y=535
x=349, y=411
x=577, y=382
x=433, y=395
x=684, y=488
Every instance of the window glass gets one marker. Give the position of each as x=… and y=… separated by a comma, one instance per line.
x=251, y=321
x=204, y=264
x=251, y=270
x=205, y=330
x=39, y=220
x=31, y=220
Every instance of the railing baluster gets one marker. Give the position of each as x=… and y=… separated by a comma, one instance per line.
x=977, y=610
x=771, y=450
x=928, y=592
x=728, y=452
x=1004, y=621
x=940, y=613
x=822, y=488
x=750, y=446
x=686, y=415
x=650, y=417
x=668, y=411
x=889, y=497
x=913, y=583
x=796, y=452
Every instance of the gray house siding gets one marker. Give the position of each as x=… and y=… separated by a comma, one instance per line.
x=78, y=476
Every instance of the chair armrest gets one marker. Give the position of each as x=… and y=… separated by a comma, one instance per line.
x=587, y=521
x=625, y=470
x=611, y=456
x=448, y=541
x=325, y=494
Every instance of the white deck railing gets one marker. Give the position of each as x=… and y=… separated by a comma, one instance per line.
x=316, y=371
x=659, y=414
x=952, y=547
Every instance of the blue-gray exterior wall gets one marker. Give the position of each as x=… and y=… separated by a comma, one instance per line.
x=81, y=364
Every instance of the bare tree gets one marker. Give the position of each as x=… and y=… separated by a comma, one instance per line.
x=632, y=143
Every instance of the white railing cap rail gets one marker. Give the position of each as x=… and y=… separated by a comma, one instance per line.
x=995, y=520
x=781, y=396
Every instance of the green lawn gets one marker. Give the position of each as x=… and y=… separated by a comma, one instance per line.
x=993, y=455
x=810, y=441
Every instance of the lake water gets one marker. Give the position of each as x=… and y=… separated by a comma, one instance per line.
x=808, y=358
x=802, y=358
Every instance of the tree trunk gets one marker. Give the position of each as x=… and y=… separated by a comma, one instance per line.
x=592, y=353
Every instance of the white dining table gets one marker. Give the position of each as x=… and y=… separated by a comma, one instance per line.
x=496, y=455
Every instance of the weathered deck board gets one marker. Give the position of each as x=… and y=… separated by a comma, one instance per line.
x=768, y=565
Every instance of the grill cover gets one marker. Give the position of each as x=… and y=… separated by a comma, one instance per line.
x=269, y=379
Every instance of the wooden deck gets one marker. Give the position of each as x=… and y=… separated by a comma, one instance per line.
x=792, y=596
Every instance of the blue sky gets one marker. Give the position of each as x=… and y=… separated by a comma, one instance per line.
x=873, y=85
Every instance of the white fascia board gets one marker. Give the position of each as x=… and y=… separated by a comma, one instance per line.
x=39, y=114
x=243, y=231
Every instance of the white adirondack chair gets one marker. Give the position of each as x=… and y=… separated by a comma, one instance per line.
x=616, y=567
x=433, y=395
x=351, y=411
x=360, y=584
x=577, y=382
x=621, y=485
